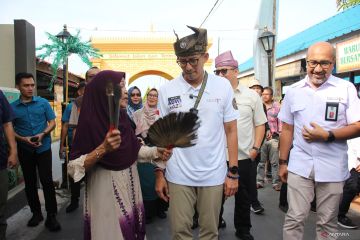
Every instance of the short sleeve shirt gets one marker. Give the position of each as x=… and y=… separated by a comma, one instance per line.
x=6, y=115
x=74, y=116
x=65, y=118
x=205, y=163
x=333, y=105
x=251, y=114
x=272, y=116
x=32, y=118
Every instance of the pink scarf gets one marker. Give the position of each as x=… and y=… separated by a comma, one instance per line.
x=144, y=118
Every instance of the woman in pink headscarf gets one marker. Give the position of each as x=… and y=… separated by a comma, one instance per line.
x=143, y=119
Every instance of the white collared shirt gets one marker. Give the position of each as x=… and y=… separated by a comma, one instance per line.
x=353, y=153
x=205, y=163
x=303, y=105
x=252, y=114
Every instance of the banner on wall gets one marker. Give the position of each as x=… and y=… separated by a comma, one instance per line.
x=348, y=55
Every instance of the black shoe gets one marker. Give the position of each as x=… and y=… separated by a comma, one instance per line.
x=72, y=207
x=52, y=224
x=346, y=222
x=35, y=220
x=284, y=208
x=161, y=215
x=244, y=235
x=257, y=209
x=222, y=223
x=195, y=223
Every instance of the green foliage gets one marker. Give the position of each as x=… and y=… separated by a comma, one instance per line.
x=344, y=4
x=58, y=51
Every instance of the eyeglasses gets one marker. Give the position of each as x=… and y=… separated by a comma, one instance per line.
x=222, y=71
x=192, y=61
x=152, y=95
x=323, y=64
x=136, y=94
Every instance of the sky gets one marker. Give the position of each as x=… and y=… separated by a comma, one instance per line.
x=231, y=24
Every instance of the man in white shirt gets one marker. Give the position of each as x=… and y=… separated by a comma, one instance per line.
x=251, y=130
x=198, y=175
x=319, y=113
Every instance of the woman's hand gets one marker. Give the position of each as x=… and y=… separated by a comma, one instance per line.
x=164, y=153
x=112, y=141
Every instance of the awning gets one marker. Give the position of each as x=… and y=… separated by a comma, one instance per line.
x=288, y=70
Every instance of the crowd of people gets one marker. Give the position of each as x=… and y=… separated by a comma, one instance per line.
x=245, y=139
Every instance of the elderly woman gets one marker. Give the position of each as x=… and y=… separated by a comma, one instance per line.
x=135, y=101
x=143, y=119
x=113, y=207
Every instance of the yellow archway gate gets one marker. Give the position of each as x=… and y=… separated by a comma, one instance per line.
x=139, y=56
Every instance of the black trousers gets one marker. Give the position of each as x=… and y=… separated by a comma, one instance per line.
x=31, y=162
x=75, y=189
x=242, y=220
x=74, y=186
x=283, y=195
x=254, y=201
x=154, y=207
x=351, y=189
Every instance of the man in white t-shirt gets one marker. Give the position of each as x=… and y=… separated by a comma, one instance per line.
x=198, y=176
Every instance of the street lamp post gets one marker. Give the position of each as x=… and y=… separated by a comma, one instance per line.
x=267, y=39
x=64, y=35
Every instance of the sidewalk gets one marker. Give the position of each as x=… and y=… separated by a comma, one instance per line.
x=267, y=226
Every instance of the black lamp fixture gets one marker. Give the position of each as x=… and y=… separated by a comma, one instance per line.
x=64, y=34
x=267, y=39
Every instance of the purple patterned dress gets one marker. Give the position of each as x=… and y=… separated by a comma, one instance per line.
x=113, y=205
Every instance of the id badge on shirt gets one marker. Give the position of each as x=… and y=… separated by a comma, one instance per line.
x=174, y=102
x=332, y=109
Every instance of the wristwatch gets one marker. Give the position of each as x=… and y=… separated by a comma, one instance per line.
x=234, y=170
x=331, y=137
x=256, y=149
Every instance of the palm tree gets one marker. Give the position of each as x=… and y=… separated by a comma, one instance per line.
x=59, y=50
x=344, y=4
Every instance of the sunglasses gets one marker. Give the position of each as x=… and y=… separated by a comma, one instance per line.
x=222, y=71
x=136, y=94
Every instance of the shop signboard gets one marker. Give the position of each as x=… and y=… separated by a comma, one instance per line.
x=348, y=55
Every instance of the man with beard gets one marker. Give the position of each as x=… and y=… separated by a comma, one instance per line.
x=319, y=114
x=198, y=175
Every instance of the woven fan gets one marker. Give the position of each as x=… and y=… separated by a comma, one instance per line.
x=175, y=130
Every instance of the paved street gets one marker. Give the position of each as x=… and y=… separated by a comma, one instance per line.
x=267, y=226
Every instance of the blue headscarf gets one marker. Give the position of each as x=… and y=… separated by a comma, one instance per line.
x=132, y=107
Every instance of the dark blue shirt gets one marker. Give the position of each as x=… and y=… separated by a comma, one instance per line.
x=65, y=118
x=6, y=115
x=32, y=118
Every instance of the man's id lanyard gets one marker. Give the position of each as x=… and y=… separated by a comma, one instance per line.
x=331, y=113
x=202, y=88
